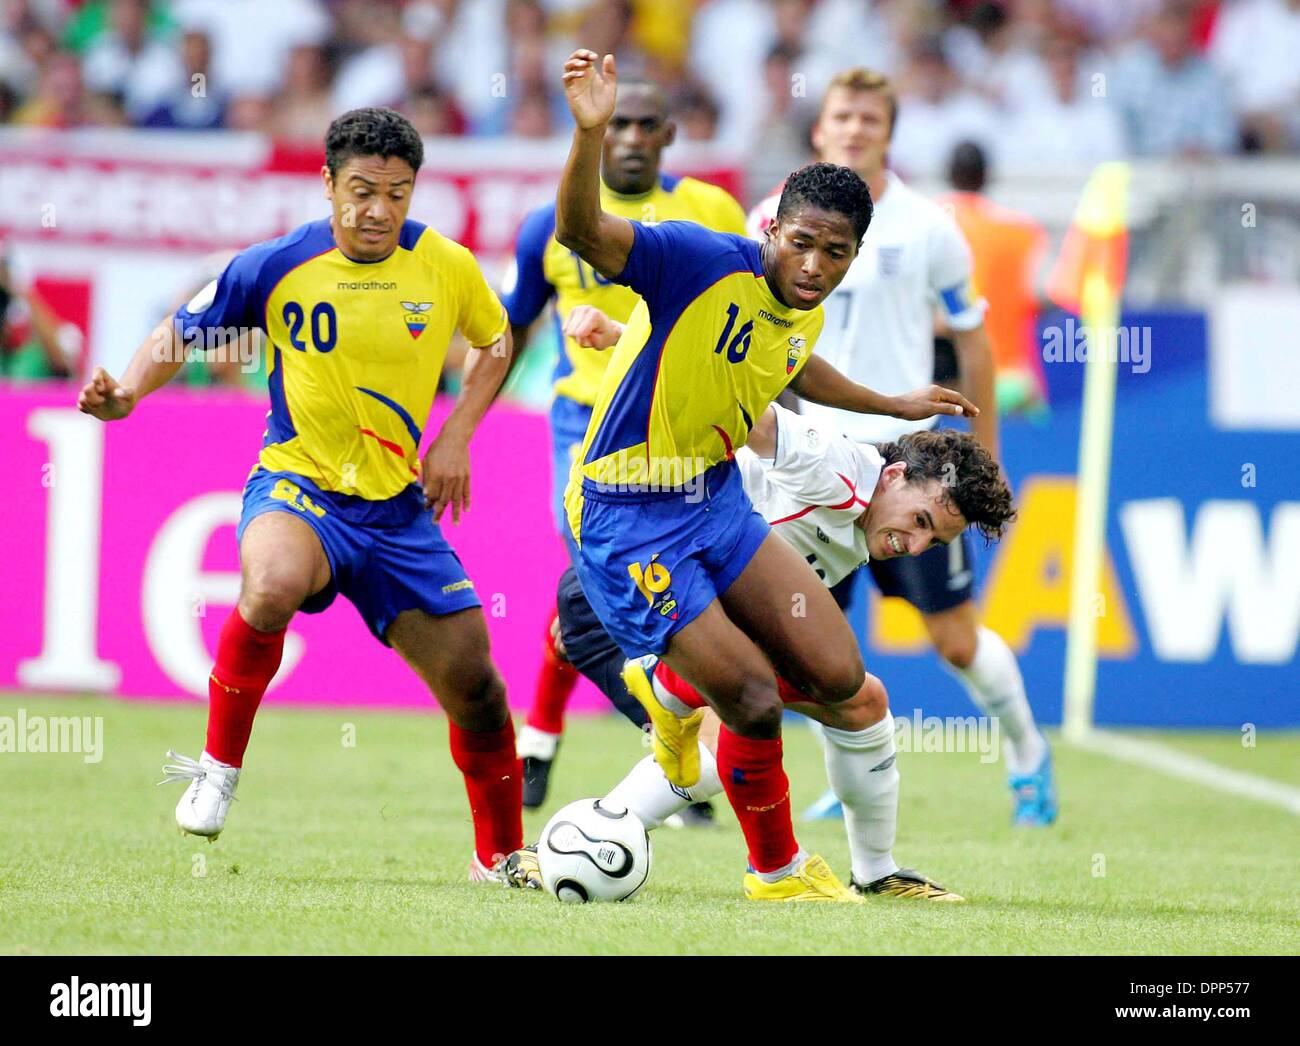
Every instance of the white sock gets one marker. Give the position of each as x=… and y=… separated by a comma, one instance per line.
x=776, y=876
x=653, y=798
x=216, y=762
x=994, y=683
x=863, y=774
x=536, y=744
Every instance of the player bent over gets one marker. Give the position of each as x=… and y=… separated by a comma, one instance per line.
x=838, y=504
x=358, y=310
x=667, y=547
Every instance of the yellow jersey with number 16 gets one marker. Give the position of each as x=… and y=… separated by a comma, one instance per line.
x=705, y=353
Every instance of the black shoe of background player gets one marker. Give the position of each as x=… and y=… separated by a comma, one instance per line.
x=538, y=750
x=697, y=815
x=537, y=779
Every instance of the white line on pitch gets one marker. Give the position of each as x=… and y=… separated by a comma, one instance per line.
x=1190, y=768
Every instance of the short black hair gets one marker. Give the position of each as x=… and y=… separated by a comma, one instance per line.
x=372, y=132
x=832, y=188
x=651, y=88
x=968, y=168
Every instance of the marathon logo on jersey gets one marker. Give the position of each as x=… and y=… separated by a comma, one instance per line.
x=366, y=285
x=763, y=314
x=797, y=345
x=75, y=999
x=889, y=260
x=417, y=316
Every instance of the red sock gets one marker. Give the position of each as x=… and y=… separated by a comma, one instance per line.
x=555, y=682
x=678, y=687
x=692, y=698
x=759, y=792
x=246, y=661
x=788, y=693
x=495, y=782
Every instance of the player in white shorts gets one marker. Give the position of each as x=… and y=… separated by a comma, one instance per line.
x=839, y=504
x=880, y=321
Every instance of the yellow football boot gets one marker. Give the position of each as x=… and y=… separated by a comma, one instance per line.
x=676, y=741
x=811, y=881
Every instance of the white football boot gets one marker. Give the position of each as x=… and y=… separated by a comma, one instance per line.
x=203, y=808
x=480, y=873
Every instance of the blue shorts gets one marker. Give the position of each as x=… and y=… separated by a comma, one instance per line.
x=589, y=649
x=384, y=556
x=650, y=563
x=586, y=641
x=569, y=420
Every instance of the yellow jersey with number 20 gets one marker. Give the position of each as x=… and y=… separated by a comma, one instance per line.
x=355, y=348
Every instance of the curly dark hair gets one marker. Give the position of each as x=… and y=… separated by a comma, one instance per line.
x=832, y=188
x=970, y=479
x=372, y=132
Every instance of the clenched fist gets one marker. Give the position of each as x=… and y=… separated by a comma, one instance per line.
x=102, y=397
x=591, y=328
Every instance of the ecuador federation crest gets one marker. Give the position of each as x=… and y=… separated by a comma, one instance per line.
x=797, y=344
x=416, y=316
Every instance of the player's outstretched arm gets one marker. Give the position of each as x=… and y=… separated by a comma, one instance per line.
x=154, y=364
x=819, y=382
x=601, y=239
x=445, y=469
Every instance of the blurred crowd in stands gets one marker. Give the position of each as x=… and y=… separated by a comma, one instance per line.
x=1029, y=85
x=1035, y=82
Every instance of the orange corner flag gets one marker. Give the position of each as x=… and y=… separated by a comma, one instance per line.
x=1089, y=272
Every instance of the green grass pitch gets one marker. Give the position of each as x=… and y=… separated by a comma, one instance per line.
x=363, y=849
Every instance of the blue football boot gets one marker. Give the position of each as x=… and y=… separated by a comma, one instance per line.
x=1035, y=795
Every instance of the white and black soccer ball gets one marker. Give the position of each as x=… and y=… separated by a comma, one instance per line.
x=593, y=852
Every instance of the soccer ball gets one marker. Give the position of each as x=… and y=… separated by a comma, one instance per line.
x=593, y=852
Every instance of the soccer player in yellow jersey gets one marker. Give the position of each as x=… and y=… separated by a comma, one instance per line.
x=667, y=547
x=632, y=185
x=357, y=310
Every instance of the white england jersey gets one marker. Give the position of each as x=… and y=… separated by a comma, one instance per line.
x=811, y=492
x=879, y=327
